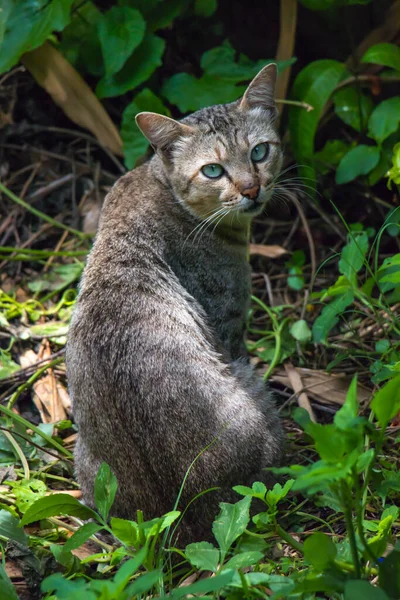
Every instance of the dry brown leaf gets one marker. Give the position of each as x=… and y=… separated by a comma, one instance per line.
x=49, y=397
x=72, y=94
x=268, y=251
x=73, y=493
x=297, y=386
x=323, y=387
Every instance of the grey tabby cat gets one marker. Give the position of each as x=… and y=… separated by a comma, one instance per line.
x=157, y=364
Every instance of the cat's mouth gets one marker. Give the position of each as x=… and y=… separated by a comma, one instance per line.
x=250, y=207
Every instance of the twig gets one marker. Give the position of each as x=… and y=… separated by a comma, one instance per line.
x=18, y=452
x=39, y=213
x=297, y=385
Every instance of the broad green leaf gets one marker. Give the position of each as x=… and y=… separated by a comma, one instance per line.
x=58, y=278
x=258, y=490
x=386, y=402
x=329, y=442
x=389, y=574
x=385, y=119
x=67, y=589
x=158, y=13
x=301, y=331
x=135, y=144
x=8, y=591
x=203, y=556
x=379, y=542
x=330, y=155
x=49, y=329
x=143, y=584
x=121, y=29
x=7, y=365
x=231, y=522
x=364, y=460
x=205, y=8
x=57, y=504
x=80, y=42
x=26, y=24
x=319, y=550
x=394, y=173
x=278, y=493
x=204, y=586
x=159, y=524
x=81, y=536
x=363, y=590
x=137, y=69
x=27, y=492
x=244, y=559
x=358, y=161
x=105, y=488
x=9, y=528
x=353, y=107
x=314, y=85
x=384, y=54
x=353, y=256
x=126, y=531
x=189, y=93
x=345, y=416
x=329, y=316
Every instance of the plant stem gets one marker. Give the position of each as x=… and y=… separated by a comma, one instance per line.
x=289, y=539
x=347, y=505
x=40, y=214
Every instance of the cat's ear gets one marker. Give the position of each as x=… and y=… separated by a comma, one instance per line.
x=161, y=131
x=261, y=91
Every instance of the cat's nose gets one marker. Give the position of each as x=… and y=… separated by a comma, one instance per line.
x=251, y=192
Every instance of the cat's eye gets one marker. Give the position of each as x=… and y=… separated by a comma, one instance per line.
x=259, y=152
x=213, y=171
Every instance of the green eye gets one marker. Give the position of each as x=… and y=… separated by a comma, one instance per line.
x=212, y=171
x=259, y=152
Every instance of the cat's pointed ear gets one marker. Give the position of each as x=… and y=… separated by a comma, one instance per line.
x=261, y=91
x=161, y=131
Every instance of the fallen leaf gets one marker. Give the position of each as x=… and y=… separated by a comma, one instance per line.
x=49, y=394
x=297, y=385
x=268, y=251
x=324, y=387
x=72, y=94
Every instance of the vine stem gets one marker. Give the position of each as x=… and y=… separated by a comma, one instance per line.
x=289, y=539
x=347, y=504
x=40, y=214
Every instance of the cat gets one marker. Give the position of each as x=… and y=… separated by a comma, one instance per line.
x=156, y=359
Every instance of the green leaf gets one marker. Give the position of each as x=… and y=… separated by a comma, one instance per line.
x=353, y=107
x=353, y=255
x=329, y=4
x=158, y=14
x=363, y=590
x=57, y=504
x=121, y=29
x=189, y=93
x=203, y=556
x=314, y=85
x=66, y=589
x=143, y=584
x=320, y=551
x=81, y=536
x=358, y=161
x=378, y=543
x=330, y=155
x=231, y=522
x=26, y=24
x=301, y=331
x=394, y=173
x=205, y=8
x=7, y=365
x=244, y=559
x=204, y=586
x=105, y=488
x=137, y=69
x=385, y=119
x=258, y=490
x=384, y=54
x=389, y=574
x=135, y=144
x=80, y=42
x=126, y=531
x=9, y=528
x=8, y=591
x=386, y=402
x=329, y=316
x=345, y=416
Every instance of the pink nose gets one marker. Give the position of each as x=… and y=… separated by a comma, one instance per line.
x=251, y=192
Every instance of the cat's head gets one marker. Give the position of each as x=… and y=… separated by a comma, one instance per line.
x=222, y=159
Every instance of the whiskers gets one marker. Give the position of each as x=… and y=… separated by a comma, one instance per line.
x=284, y=188
x=213, y=218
